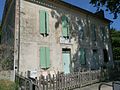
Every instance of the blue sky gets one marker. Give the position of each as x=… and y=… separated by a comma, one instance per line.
x=82, y=4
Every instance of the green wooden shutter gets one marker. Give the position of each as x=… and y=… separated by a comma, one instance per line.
x=42, y=21
x=82, y=56
x=42, y=58
x=68, y=30
x=47, y=22
x=65, y=29
x=47, y=57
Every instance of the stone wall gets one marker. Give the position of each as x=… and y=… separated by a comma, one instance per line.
x=31, y=40
x=7, y=75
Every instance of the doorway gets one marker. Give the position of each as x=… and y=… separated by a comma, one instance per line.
x=66, y=60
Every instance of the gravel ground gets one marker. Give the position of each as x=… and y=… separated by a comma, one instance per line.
x=95, y=87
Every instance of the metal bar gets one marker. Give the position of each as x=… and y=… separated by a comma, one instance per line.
x=99, y=88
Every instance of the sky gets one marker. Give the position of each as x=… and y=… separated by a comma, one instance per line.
x=82, y=4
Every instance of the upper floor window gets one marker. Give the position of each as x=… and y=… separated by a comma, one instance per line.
x=80, y=29
x=93, y=28
x=103, y=33
x=44, y=23
x=65, y=27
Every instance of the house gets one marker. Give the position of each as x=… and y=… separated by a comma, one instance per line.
x=51, y=35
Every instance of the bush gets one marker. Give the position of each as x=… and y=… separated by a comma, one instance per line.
x=7, y=85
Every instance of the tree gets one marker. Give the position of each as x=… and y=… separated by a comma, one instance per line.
x=111, y=5
x=115, y=43
x=0, y=33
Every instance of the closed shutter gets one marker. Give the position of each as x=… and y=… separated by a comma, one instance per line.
x=42, y=58
x=42, y=21
x=82, y=56
x=65, y=26
x=47, y=57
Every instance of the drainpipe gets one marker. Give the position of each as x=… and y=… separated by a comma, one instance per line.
x=16, y=62
x=19, y=37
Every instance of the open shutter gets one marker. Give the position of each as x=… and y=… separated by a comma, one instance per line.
x=65, y=29
x=47, y=57
x=42, y=58
x=47, y=22
x=82, y=56
x=42, y=21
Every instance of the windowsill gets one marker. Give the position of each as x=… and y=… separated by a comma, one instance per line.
x=44, y=34
x=64, y=40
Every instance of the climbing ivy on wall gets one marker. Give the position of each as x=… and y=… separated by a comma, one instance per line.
x=6, y=59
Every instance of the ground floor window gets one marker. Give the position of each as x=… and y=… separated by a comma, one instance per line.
x=44, y=57
x=105, y=54
x=82, y=56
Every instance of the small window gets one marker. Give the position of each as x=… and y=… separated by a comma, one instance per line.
x=105, y=52
x=44, y=23
x=103, y=33
x=93, y=28
x=82, y=56
x=95, y=56
x=80, y=30
x=44, y=57
x=65, y=27
x=95, y=60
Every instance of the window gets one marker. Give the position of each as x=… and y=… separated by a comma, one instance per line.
x=93, y=28
x=82, y=56
x=103, y=33
x=44, y=23
x=65, y=27
x=95, y=55
x=95, y=60
x=44, y=57
x=80, y=29
x=105, y=53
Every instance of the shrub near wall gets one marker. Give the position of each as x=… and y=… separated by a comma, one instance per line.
x=7, y=85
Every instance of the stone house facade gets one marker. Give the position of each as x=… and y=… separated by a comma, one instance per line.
x=51, y=35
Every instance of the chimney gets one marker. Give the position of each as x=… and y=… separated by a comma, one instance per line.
x=100, y=13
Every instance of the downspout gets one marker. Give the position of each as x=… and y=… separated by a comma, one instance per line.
x=19, y=38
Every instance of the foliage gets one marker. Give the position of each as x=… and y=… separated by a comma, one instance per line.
x=6, y=60
x=111, y=5
x=0, y=33
x=115, y=35
x=7, y=85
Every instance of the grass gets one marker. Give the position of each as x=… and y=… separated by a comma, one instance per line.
x=7, y=85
